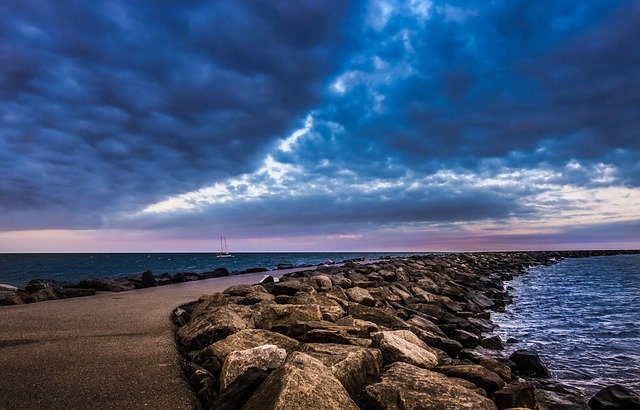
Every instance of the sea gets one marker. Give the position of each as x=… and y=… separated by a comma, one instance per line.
x=18, y=269
x=583, y=318
x=581, y=315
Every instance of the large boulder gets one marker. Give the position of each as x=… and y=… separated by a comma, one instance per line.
x=206, y=328
x=615, y=397
x=377, y=316
x=237, y=393
x=7, y=288
x=353, y=366
x=10, y=297
x=321, y=282
x=360, y=295
x=492, y=343
x=148, y=280
x=528, y=363
x=491, y=363
x=265, y=357
x=517, y=394
x=404, y=346
x=301, y=383
x=247, y=339
x=239, y=290
x=476, y=374
x=281, y=317
x=291, y=287
x=407, y=387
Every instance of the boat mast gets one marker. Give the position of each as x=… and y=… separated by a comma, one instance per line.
x=221, y=248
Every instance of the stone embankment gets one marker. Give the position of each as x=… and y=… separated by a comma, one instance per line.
x=39, y=290
x=397, y=334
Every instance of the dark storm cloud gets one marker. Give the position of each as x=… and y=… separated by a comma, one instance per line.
x=106, y=106
x=527, y=83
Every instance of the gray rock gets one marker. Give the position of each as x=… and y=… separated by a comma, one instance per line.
x=613, y=398
x=353, y=366
x=237, y=393
x=7, y=288
x=478, y=375
x=528, y=363
x=247, y=339
x=404, y=346
x=408, y=387
x=360, y=295
x=206, y=328
x=321, y=282
x=290, y=287
x=301, y=383
x=282, y=317
x=148, y=280
x=238, y=290
x=265, y=357
x=10, y=298
x=517, y=394
x=377, y=316
x=492, y=343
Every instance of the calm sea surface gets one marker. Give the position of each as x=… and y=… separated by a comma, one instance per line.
x=18, y=269
x=583, y=318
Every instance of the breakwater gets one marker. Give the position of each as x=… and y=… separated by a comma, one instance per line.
x=403, y=333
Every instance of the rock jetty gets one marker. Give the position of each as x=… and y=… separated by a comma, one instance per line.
x=394, y=334
x=39, y=290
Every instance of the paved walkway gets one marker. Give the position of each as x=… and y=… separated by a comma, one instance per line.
x=112, y=350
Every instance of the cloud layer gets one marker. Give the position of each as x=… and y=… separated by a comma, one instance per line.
x=425, y=123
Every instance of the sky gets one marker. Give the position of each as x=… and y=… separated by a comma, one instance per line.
x=299, y=125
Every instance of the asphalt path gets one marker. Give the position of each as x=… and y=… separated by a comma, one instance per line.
x=112, y=350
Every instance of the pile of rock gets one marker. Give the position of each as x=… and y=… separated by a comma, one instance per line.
x=393, y=334
x=39, y=290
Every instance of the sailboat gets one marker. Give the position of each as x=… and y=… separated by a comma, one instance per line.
x=224, y=252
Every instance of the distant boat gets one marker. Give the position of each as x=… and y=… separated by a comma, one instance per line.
x=224, y=252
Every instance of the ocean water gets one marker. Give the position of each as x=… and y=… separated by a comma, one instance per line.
x=583, y=318
x=18, y=269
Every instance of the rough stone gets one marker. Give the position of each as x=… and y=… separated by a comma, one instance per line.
x=301, y=383
x=238, y=290
x=528, y=363
x=235, y=395
x=492, y=343
x=467, y=339
x=281, y=317
x=353, y=366
x=408, y=387
x=265, y=357
x=148, y=280
x=614, y=397
x=206, y=328
x=7, y=288
x=377, y=316
x=10, y=298
x=396, y=348
x=322, y=282
x=247, y=339
x=478, y=375
x=290, y=288
x=360, y=295
x=517, y=394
